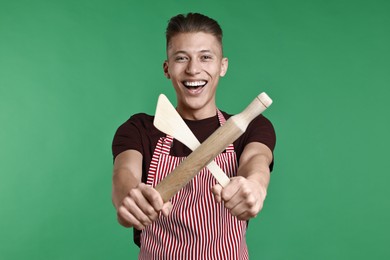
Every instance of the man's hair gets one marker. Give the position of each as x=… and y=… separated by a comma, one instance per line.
x=192, y=23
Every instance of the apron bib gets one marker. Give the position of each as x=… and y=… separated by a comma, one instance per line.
x=197, y=227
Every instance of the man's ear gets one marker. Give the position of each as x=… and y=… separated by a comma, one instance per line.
x=165, y=67
x=224, y=66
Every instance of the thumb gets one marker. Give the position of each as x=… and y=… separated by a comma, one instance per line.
x=166, y=209
x=217, y=191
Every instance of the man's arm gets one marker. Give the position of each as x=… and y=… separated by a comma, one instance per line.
x=245, y=194
x=137, y=204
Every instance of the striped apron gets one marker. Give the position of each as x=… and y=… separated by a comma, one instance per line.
x=197, y=227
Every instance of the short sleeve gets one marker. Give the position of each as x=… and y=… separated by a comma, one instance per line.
x=261, y=130
x=127, y=137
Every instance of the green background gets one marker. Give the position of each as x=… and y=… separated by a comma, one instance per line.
x=72, y=71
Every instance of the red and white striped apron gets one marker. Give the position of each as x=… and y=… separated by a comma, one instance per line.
x=197, y=227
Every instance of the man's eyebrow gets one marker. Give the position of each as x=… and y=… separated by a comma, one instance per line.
x=179, y=52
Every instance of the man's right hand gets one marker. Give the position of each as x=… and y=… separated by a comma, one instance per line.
x=141, y=207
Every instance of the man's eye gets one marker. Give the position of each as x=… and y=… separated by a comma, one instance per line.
x=180, y=58
x=207, y=57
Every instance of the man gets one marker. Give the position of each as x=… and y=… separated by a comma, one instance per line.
x=204, y=220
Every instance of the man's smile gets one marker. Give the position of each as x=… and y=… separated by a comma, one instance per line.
x=194, y=87
x=194, y=84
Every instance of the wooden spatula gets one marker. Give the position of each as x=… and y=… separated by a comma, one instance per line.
x=211, y=147
x=168, y=121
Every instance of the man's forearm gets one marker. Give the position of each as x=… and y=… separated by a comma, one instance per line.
x=122, y=182
x=256, y=169
x=127, y=174
x=254, y=164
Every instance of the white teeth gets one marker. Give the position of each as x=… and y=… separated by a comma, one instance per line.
x=194, y=83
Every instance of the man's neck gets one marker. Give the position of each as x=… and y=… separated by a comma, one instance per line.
x=197, y=114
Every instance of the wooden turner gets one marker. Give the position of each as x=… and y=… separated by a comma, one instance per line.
x=211, y=147
x=168, y=121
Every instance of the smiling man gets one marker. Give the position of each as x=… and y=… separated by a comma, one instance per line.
x=204, y=220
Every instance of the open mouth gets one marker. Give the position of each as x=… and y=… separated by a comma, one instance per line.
x=194, y=86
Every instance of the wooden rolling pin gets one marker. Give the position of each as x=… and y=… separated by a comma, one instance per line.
x=211, y=147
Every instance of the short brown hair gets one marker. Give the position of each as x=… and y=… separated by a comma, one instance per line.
x=192, y=22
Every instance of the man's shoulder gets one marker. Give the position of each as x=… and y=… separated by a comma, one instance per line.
x=141, y=117
x=142, y=120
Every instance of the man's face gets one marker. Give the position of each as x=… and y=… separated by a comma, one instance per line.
x=194, y=66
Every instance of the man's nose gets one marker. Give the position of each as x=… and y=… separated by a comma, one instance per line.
x=193, y=67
